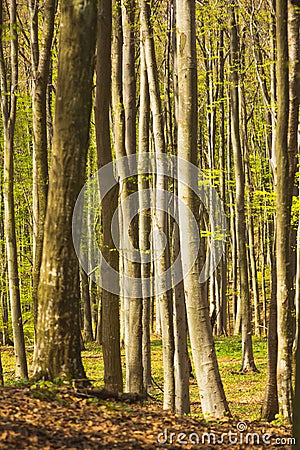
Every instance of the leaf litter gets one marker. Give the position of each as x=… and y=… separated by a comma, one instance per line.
x=63, y=418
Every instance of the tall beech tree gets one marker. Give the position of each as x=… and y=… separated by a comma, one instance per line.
x=145, y=221
x=213, y=401
x=41, y=60
x=160, y=218
x=57, y=352
x=110, y=302
x=247, y=349
x=296, y=403
x=124, y=141
x=283, y=216
x=133, y=307
x=9, y=86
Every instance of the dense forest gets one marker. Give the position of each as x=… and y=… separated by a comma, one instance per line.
x=150, y=189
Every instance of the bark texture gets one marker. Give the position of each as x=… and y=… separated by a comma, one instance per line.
x=110, y=302
x=9, y=84
x=283, y=216
x=58, y=331
x=212, y=395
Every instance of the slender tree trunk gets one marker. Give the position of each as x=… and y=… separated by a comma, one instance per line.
x=222, y=317
x=212, y=395
x=110, y=302
x=132, y=300
x=145, y=221
x=263, y=265
x=296, y=403
x=270, y=404
x=118, y=119
x=99, y=329
x=124, y=113
x=8, y=106
x=160, y=220
x=283, y=215
x=181, y=356
x=87, y=313
x=41, y=60
x=1, y=372
x=3, y=270
x=182, y=364
x=236, y=322
x=58, y=329
x=247, y=350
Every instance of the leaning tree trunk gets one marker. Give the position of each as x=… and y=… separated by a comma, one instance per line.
x=58, y=330
x=212, y=395
x=8, y=106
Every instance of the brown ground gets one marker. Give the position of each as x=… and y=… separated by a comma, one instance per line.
x=59, y=419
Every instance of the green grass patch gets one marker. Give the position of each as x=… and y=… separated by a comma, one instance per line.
x=244, y=391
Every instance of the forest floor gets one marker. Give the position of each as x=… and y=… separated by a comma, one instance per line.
x=49, y=416
x=43, y=418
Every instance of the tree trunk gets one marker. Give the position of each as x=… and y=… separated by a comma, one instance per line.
x=1, y=372
x=41, y=60
x=87, y=313
x=181, y=356
x=124, y=116
x=8, y=106
x=110, y=302
x=3, y=269
x=270, y=404
x=160, y=220
x=222, y=317
x=247, y=350
x=283, y=215
x=212, y=395
x=296, y=404
x=58, y=330
x=145, y=221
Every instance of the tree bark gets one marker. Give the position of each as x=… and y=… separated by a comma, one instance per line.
x=9, y=108
x=110, y=302
x=160, y=222
x=145, y=221
x=41, y=62
x=86, y=303
x=283, y=216
x=296, y=348
x=181, y=356
x=270, y=404
x=57, y=352
x=211, y=391
x=247, y=350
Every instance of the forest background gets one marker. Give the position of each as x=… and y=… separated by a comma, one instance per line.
x=210, y=83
